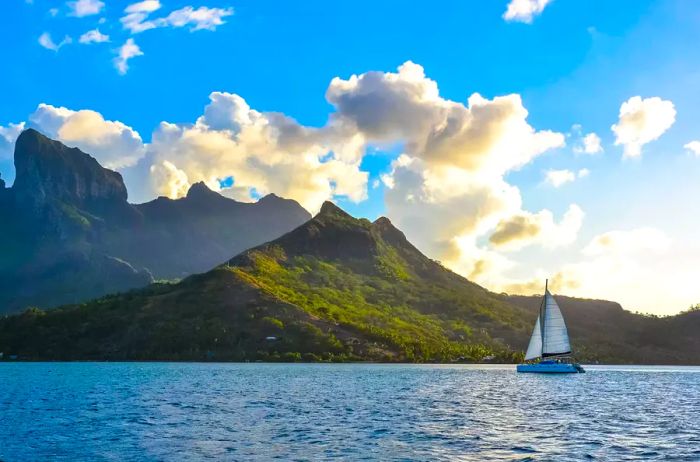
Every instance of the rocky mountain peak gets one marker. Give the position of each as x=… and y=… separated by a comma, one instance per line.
x=47, y=169
x=200, y=190
x=329, y=209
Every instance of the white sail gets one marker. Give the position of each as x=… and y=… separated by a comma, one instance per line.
x=534, y=349
x=556, y=337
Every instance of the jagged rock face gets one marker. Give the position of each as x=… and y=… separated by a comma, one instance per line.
x=47, y=169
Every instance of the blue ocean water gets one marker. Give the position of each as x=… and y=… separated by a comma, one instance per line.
x=262, y=412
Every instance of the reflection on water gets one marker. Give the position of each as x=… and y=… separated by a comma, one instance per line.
x=170, y=411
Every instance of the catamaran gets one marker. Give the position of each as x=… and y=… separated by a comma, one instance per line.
x=549, y=351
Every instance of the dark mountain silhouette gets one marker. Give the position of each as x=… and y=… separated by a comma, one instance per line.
x=335, y=288
x=68, y=234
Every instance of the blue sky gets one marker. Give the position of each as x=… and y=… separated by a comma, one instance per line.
x=574, y=63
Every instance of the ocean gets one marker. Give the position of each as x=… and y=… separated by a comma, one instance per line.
x=314, y=412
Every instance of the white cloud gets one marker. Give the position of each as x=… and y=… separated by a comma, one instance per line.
x=446, y=134
x=558, y=178
x=590, y=144
x=127, y=51
x=171, y=181
x=202, y=18
x=136, y=14
x=524, y=10
x=694, y=147
x=263, y=152
x=81, y=8
x=628, y=242
x=53, y=12
x=448, y=190
x=8, y=135
x=526, y=228
x=146, y=6
x=47, y=42
x=114, y=144
x=93, y=36
x=137, y=17
x=642, y=121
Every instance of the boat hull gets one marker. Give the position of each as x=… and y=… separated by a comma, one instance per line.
x=547, y=367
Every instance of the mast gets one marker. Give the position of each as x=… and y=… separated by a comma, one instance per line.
x=543, y=307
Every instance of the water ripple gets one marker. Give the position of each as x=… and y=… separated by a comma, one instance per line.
x=261, y=412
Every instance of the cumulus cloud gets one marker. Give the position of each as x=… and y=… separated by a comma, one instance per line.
x=171, y=181
x=81, y=8
x=47, y=42
x=137, y=17
x=261, y=152
x=114, y=144
x=524, y=228
x=448, y=189
x=558, y=178
x=524, y=10
x=628, y=242
x=694, y=147
x=8, y=135
x=590, y=144
x=127, y=51
x=93, y=36
x=642, y=121
x=407, y=105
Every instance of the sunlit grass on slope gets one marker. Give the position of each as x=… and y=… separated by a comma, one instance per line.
x=378, y=307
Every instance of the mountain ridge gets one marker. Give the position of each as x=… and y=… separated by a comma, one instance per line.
x=69, y=234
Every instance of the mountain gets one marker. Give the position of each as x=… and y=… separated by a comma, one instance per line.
x=335, y=288
x=68, y=233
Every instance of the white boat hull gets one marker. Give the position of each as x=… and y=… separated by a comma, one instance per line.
x=551, y=367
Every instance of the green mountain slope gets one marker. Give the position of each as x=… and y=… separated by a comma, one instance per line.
x=336, y=287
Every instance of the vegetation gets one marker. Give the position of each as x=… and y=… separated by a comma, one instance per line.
x=335, y=289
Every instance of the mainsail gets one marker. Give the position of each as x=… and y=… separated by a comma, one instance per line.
x=549, y=337
x=556, y=337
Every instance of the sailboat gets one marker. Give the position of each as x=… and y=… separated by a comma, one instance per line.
x=549, y=350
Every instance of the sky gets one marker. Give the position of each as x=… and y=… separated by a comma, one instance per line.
x=512, y=140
